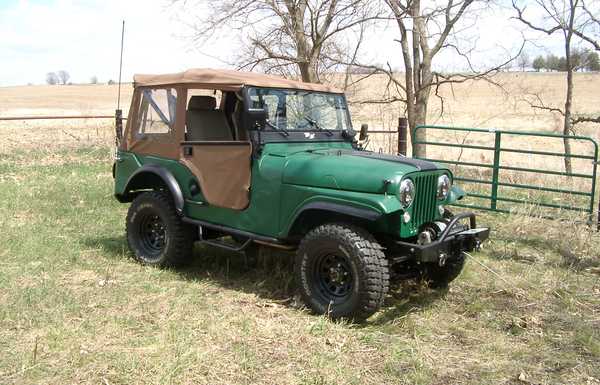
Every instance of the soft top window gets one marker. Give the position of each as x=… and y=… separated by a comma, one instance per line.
x=157, y=111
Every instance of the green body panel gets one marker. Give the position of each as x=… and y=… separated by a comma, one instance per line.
x=130, y=162
x=298, y=197
x=288, y=176
x=126, y=165
x=341, y=171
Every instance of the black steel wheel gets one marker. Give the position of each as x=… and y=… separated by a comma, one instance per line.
x=333, y=275
x=341, y=271
x=155, y=233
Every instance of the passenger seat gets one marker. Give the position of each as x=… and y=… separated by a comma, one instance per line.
x=204, y=123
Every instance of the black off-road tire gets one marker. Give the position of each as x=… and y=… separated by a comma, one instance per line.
x=348, y=249
x=439, y=277
x=155, y=232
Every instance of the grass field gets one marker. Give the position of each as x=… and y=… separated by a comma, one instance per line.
x=76, y=309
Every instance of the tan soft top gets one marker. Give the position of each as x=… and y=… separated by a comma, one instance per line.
x=227, y=80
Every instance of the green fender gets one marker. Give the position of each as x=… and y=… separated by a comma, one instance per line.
x=364, y=206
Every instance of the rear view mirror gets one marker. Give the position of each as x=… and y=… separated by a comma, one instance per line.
x=364, y=129
x=257, y=118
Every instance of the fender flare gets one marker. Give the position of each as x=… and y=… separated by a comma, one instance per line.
x=369, y=215
x=167, y=177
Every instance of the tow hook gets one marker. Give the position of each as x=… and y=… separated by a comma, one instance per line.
x=442, y=260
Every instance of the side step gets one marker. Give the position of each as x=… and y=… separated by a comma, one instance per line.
x=227, y=245
x=251, y=237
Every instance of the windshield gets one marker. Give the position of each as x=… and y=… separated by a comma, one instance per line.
x=298, y=110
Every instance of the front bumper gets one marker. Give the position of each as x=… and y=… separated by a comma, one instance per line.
x=454, y=239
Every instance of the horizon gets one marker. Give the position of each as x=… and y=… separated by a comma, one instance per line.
x=511, y=71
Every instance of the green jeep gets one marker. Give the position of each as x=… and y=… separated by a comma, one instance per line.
x=241, y=160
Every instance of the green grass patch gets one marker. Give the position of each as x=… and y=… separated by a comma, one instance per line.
x=75, y=308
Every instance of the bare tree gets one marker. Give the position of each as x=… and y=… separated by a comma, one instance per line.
x=425, y=31
x=63, y=76
x=52, y=78
x=568, y=18
x=297, y=38
x=589, y=28
x=523, y=61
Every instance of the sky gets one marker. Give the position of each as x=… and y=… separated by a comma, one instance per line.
x=83, y=38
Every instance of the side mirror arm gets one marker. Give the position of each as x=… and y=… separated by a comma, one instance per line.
x=364, y=132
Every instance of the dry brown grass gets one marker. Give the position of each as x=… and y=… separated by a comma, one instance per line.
x=75, y=309
x=62, y=100
x=472, y=104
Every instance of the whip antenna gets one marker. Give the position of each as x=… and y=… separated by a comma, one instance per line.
x=119, y=112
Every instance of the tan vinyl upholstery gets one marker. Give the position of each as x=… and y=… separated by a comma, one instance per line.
x=202, y=102
x=204, y=123
x=223, y=171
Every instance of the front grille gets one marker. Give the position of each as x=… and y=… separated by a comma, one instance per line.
x=425, y=198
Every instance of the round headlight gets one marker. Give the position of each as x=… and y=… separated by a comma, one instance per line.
x=406, y=193
x=443, y=187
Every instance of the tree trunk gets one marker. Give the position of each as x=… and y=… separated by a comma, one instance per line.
x=307, y=72
x=421, y=104
x=303, y=50
x=420, y=118
x=419, y=150
x=567, y=118
x=569, y=99
x=418, y=56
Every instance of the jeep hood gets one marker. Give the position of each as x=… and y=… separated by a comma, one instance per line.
x=348, y=169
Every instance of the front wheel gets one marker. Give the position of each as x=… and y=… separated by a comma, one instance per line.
x=341, y=271
x=155, y=233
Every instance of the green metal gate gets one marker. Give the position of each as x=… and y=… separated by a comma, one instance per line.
x=492, y=199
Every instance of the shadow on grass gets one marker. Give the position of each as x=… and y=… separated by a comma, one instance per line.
x=113, y=247
x=408, y=297
x=270, y=278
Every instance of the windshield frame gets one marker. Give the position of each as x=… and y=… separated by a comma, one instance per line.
x=313, y=129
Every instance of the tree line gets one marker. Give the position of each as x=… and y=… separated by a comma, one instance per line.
x=62, y=77
x=59, y=77
x=581, y=60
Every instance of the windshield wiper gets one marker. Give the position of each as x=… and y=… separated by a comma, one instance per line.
x=317, y=125
x=280, y=130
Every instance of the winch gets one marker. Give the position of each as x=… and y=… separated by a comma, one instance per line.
x=431, y=231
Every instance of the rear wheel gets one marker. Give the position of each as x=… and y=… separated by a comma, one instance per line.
x=155, y=233
x=342, y=271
